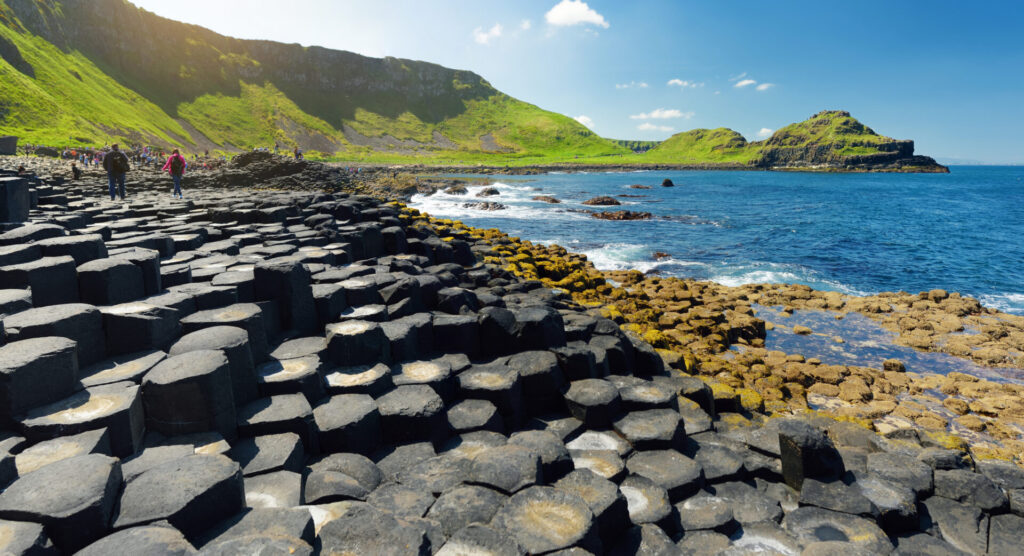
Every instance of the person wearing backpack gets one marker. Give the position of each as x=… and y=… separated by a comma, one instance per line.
x=175, y=166
x=116, y=165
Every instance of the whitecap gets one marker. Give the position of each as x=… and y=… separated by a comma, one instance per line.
x=1005, y=302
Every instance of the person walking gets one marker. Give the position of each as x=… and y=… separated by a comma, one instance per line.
x=176, y=166
x=116, y=165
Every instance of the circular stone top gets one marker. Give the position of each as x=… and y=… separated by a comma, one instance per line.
x=288, y=369
x=544, y=519
x=187, y=365
x=349, y=328
x=63, y=488
x=132, y=308
x=46, y=315
x=86, y=405
x=361, y=375
x=414, y=399
x=592, y=392
x=423, y=371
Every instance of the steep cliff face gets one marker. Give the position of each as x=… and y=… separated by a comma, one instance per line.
x=833, y=139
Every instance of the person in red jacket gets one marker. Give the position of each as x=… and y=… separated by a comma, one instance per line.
x=176, y=166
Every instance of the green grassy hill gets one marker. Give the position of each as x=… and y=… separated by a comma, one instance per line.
x=93, y=71
x=89, y=72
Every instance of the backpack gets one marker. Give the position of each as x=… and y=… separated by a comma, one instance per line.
x=119, y=163
x=177, y=165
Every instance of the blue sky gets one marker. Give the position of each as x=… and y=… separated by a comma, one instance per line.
x=946, y=74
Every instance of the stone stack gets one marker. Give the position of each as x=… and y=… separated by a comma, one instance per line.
x=301, y=372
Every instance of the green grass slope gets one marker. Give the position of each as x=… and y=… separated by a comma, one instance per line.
x=703, y=146
x=94, y=71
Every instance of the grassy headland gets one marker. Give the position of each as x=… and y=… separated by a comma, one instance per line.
x=89, y=72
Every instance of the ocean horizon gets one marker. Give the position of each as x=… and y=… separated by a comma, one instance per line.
x=856, y=233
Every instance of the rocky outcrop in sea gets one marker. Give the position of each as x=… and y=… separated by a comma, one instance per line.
x=311, y=370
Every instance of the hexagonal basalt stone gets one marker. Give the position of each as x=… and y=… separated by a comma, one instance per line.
x=401, y=500
x=647, y=395
x=109, y=282
x=293, y=526
x=247, y=316
x=436, y=474
x=903, y=470
x=496, y=384
x=472, y=415
x=807, y=452
x=720, y=463
x=147, y=539
x=234, y=342
x=280, y=414
x=292, y=376
x=272, y=452
x=599, y=440
x=73, y=499
x=435, y=374
x=965, y=527
x=357, y=342
x=606, y=502
x=76, y=321
x=836, y=496
x=131, y=367
x=35, y=372
x=810, y=524
x=545, y=519
x=301, y=347
x=393, y=460
x=554, y=456
x=191, y=493
x=604, y=463
x=116, y=407
x=676, y=473
x=279, y=489
x=61, y=448
x=357, y=466
x=479, y=539
x=897, y=504
x=646, y=501
x=362, y=529
x=169, y=394
x=463, y=505
x=593, y=401
x=541, y=377
x=508, y=469
x=653, y=429
x=348, y=423
x=749, y=504
x=970, y=488
x=410, y=413
x=644, y=539
x=137, y=326
x=705, y=511
x=374, y=380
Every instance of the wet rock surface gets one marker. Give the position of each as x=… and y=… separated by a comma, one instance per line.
x=322, y=372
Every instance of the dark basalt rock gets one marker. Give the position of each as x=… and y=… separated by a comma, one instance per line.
x=73, y=499
x=621, y=215
x=603, y=201
x=190, y=493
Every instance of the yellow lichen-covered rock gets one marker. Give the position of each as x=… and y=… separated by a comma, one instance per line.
x=956, y=405
x=750, y=400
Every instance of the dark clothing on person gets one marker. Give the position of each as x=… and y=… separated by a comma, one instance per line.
x=116, y=165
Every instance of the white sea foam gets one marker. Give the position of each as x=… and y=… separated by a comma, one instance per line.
x=624, y=256
x=518, y=200
x=1005, y=302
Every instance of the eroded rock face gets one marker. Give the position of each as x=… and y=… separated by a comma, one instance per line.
x=439, y=405
x=621, y=215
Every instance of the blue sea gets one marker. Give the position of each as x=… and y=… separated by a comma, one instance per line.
x=854, y=233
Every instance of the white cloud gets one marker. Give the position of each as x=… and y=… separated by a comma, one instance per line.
x=765, y=133
x=525, y=25
x=684, y=84
x=585, y=120
x=485, y=37
x=631, y=85
x=765, y=86
x=648, y=126
x=662, y=114
x=574, y=12
x=738, y=77
x=744, y=82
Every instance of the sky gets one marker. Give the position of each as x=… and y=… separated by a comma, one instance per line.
x=947, y=74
